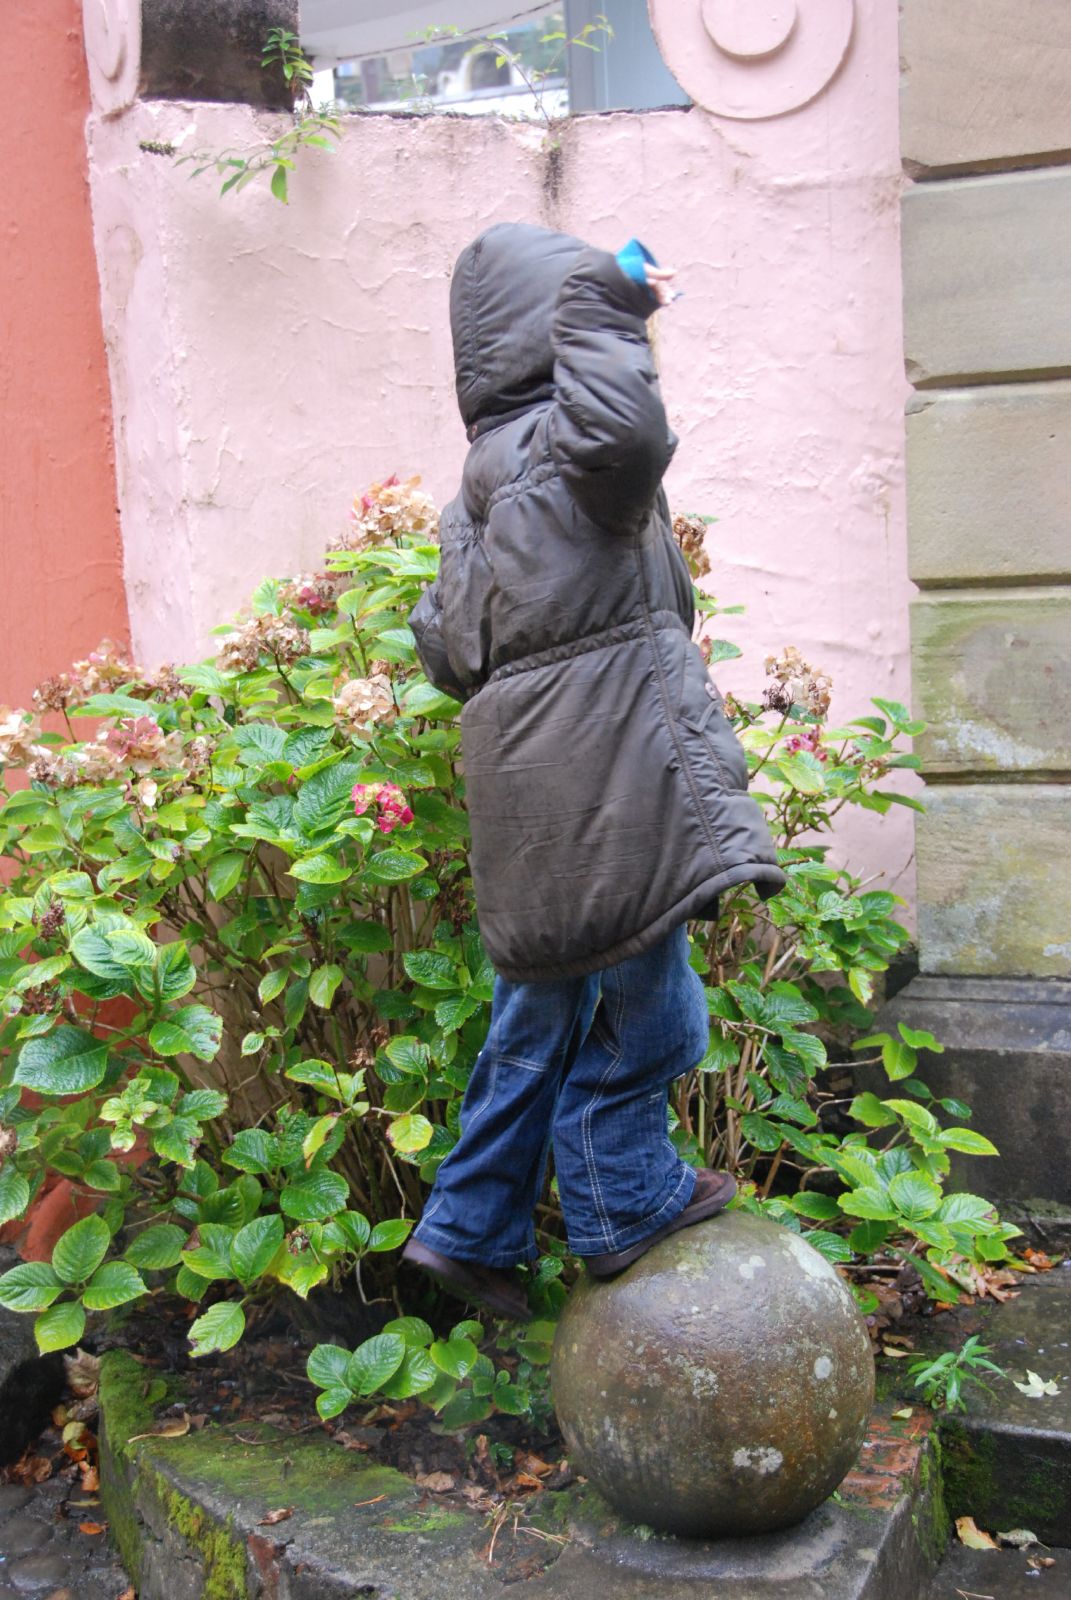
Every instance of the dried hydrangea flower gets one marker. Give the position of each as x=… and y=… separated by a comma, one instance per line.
x=796, y=683
x=102, y=670
x=364, y=704
x=277, y=637
x=19, y=733
x=386, y=511
x=689, y=533
x=316, y=595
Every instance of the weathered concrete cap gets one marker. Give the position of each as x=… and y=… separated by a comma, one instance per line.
x=721, y=1385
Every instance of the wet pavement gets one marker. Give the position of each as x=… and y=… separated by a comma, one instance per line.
x=43, y=1553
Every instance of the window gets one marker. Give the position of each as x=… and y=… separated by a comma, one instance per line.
x=431, y=55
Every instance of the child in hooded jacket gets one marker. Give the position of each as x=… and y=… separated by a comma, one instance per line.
x=606, y=790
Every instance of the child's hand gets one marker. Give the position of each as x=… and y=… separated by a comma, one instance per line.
x=660, y=279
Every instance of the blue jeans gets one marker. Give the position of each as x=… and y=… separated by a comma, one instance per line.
x=584, y=1063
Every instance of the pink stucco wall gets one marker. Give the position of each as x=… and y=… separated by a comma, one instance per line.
x=268, y=361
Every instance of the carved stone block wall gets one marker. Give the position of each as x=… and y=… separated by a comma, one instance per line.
x=986, y=129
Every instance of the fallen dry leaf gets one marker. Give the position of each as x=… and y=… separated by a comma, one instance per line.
x=169, y=1428
x=1041, y=1561
x=83, y=1372
x=90, y=1478
x=59, y=1416
x=900, y=1355
x=376, y=1498
x=92, y=1527
x=1038, y=1260
x=904, y=1413
x=436, y=1482
x=972, y=1536
x=347, y=1441
x=1019, y=1538
x=530, y=1463
x=525, y=1480
x=273, y=1517
x=127, y=1594
x=1036, y=1388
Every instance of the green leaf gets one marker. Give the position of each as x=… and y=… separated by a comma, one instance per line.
x=465, y=1408
x=178, y=1141
x=430, y=969
x=14, y=1193
x=424, y=700
x=819, y=1207
x=157, y=1247
x=204, y=1104
x=30, y=1286
x=965, y=1208
x=868, y=1237
x=326, y=1366
x=869, y=1202
x=915, y=1195
x=454, y=1012
x=175, y=972
x=389, y=1235
x=323, y=984
x=408, y=1054
x=807, y=1046
x=278, y=186
x=68, y=1061
x=410, y=1133
x=416, y=1375
x=273, y=983
x=191, y=1030
x=102, y=1175
x=253, y=1150
x=374, y=1361
x=899, y=1059
x=871, y=1111
x=393, y=866
x=113, y=1284
x=221, y=1327
x=224, y=873
x=314, y=1196
x=325, y=798
x=803, y=772
x=80, y=1251
x=254, y=1246
x=414, y=1330
x=60, y=1326
x=320, y=868
x=830, y=1245
x=454, y=1356
x=967, y=1141
x=760, y=1133
x=332, y=1402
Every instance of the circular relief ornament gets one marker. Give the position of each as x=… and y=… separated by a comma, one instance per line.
x=749, y=59
x=112, y=30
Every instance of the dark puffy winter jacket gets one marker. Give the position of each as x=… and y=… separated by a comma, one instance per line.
x=606, y=790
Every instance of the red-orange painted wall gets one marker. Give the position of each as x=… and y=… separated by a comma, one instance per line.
x=61, y=583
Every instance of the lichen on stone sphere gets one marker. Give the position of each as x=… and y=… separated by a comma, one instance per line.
x=722, y=1385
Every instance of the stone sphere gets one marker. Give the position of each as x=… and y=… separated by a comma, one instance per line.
x=721, y=1385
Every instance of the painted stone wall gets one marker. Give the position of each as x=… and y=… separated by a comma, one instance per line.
x=268, y=361
x=62, y=588
x=987, y=293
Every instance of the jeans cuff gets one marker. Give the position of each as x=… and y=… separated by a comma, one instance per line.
x=443, y=1240
x=625, y=1238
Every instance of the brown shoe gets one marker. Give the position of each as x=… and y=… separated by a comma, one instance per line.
x=498, y=1290
x=712, y=1193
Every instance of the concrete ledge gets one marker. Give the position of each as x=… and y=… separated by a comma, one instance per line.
x=187, y=1516
x=1008, y=1055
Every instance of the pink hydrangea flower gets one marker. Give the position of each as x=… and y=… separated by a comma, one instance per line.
x=390, y=803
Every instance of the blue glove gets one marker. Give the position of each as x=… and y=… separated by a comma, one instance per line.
x=633, y=258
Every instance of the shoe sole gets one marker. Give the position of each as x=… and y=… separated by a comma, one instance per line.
x=453, y=1276
x=608, y=1266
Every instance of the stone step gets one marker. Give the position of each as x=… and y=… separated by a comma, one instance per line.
x=188, y=1514
x=1002, y=1574
x=1006, y=1460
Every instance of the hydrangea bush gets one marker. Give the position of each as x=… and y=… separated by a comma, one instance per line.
x=242, y=984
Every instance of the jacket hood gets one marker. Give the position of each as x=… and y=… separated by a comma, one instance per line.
x=503, y=296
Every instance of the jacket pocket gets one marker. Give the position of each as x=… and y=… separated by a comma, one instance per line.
x=702, y=714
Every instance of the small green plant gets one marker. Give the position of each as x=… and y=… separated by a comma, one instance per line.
x=312, y=130
x=556, y=41
x=944, y=1379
